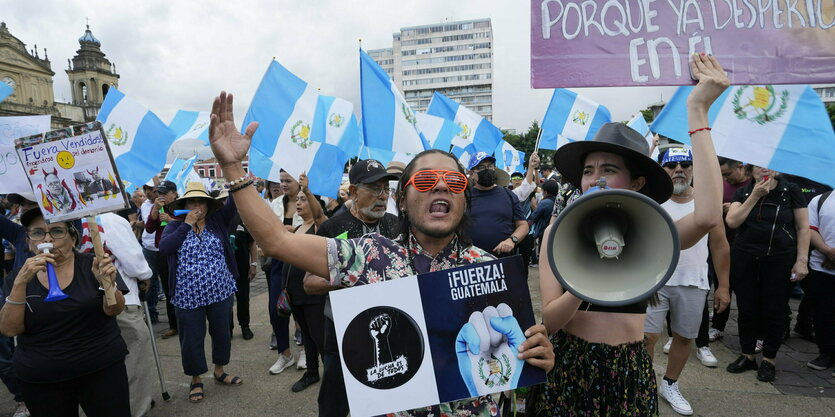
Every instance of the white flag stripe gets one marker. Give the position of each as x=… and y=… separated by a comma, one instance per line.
x=580, y=117
x=129, y=113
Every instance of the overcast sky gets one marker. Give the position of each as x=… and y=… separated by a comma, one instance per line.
x=179, y=54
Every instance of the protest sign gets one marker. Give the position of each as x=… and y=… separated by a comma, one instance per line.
x=12, y=175
x=71, y=172
x=588, y=43
x=437, y=337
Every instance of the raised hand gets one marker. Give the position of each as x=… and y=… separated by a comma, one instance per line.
x=712, y=81
x=228, y=145
x=380, y=325
x=303, y=181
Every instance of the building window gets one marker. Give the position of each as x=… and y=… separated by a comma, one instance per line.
x=202, y=172
x=211, y=173
x=83, y=89
x=246, y=169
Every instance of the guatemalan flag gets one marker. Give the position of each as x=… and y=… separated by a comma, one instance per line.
x=335, y=123
x=509, y=159
x=571, y=117
x=182, y=172
x=437, y=131
x=5, y=91
x=639, y=124
x=783, y=127
x=285, y=107
x=139, y=140
x=387, y=120
x=191, y=125
x=475, y=129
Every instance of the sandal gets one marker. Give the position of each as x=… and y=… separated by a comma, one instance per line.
x=221, y=379
x=195, y=397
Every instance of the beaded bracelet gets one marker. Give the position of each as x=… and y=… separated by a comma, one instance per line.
x=699, y=130
x=242, y=186
x=232, y=184
x=15, y=303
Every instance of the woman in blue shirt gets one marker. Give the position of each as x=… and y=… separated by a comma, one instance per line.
x=202, y=273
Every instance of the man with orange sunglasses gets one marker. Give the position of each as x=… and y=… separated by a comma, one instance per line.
x=432, y=198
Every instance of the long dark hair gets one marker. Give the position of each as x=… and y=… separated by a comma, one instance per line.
x=405, y=225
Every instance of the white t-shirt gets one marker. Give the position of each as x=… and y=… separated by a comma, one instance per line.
x=148, y=239
x=692, y=263
x=825, y=224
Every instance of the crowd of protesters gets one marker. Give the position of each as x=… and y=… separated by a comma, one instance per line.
x=199, y=251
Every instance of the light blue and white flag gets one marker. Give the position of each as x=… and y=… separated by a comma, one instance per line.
x=509, y=159
x=191, y=125
x=182, y=172
x=783, y=127
x=335, y=123
x=5, y=91
x=139, y=140
x=437, y=131
x=475, y=129
x=387, y=120
x=464, y=153
x=639, y=124
x=571, y=117
x=285, y=106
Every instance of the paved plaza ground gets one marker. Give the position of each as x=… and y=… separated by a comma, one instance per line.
x=798, y=391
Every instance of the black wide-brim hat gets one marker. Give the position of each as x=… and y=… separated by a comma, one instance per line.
x=620, y=139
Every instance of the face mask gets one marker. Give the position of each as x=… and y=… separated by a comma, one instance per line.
x=486, y=178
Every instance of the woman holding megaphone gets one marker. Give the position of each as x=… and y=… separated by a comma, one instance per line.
x=70, y=351
x=602, y=367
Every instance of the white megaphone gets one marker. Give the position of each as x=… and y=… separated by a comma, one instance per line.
x=613, y=247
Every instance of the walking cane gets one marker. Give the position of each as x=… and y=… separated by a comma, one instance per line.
x=165, y=395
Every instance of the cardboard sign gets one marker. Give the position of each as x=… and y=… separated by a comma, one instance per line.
x=71, y=172
x=438, y=337
x=589, y=43
x=12, y=175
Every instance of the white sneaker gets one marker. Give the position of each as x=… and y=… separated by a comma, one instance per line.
x=302, y=362
x=714, y=334
x=21, y=411
x=705, y=356
x=673, y=396
x=282, y=363
x=667, y=345
x=759, y=347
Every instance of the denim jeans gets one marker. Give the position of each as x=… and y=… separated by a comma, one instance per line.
x=153, y=293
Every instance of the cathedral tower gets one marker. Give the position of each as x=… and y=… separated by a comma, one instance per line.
x=91, y=74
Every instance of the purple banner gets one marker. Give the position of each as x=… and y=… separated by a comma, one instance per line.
x=592, y=43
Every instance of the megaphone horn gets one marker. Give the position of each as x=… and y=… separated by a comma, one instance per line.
x=55, y=293
x=613, y=247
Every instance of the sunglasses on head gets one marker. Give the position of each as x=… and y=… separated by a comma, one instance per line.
x=684, y=164
x=425, y=180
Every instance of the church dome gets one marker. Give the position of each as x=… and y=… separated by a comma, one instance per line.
x=89, y=38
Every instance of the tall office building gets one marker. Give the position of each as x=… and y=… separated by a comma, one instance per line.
x=453, y=58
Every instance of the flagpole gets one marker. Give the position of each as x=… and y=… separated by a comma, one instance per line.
x=538, y=137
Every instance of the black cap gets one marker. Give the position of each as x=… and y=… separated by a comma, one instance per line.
x=166, y=186
x=369, y=171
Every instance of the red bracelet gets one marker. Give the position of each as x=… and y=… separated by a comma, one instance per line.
x=698, y=130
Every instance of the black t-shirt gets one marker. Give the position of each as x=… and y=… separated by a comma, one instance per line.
x=66, y=339
x=241, y=240
x=124, y=213
x=346, y=222
x=295, y=283
x=493, y=213
x=769, y=228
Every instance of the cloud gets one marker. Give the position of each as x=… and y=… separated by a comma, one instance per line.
x=179, y=55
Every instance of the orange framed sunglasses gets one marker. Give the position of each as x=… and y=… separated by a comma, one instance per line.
x=424, y=180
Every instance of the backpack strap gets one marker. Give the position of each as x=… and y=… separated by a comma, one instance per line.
x=823, y=198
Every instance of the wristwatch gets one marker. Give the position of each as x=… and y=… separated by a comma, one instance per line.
x=253, y=264
x=514, y=239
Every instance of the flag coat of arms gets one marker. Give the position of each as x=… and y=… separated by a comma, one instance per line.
x=388, y=122
x=191, y=125
x=139, y=140
x=285, y=107
x=475, y=129
x=783, y=127
x=334, y=122
x=571, y=117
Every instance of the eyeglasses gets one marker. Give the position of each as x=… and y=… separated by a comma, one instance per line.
x=40, y=234
x=684, y=164
x=377, y=191
x=425, y=180
x=516, y=178
x=479, y=168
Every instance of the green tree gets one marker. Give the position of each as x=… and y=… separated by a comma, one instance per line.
x=648, y=116
x=830, y=108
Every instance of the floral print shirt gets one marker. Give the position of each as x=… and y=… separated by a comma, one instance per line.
x=374, y=258
x=203, y=277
